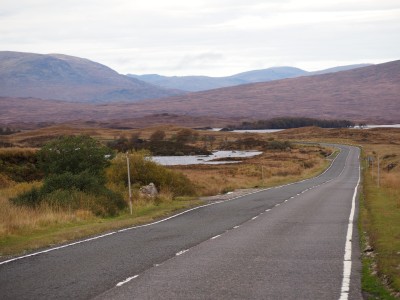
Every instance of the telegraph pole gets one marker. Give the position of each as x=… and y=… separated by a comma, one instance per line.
x=129, y=182
x=378, y=171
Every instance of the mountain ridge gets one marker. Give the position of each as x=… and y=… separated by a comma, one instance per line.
x=369, y=95
x=203, y=83
x=63, y=77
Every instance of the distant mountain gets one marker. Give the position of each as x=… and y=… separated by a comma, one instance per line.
x=369, y=94
x=270, y=74
x=339, y=69
x=203, y=83
x=189, y=83
x=62, y=77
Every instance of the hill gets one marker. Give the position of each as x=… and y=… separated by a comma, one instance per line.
x=203, y=83
x=369, y=94
x=62, y=77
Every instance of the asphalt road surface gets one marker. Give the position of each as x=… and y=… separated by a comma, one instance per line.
x=291, y=242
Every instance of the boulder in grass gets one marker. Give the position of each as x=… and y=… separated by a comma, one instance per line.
x=149, y=190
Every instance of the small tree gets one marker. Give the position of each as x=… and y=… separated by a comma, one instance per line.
x=158, y=135
x=75, y=177
x=186, y=135
x=74, y=154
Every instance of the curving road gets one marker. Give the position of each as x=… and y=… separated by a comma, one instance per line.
x=291, y=242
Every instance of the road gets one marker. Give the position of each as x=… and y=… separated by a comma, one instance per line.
x=291, y=242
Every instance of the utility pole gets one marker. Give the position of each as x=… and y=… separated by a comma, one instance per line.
x=262, y=172
x=129, y=182
x=378, y=171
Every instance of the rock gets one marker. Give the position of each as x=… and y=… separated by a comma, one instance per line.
x=149, y=190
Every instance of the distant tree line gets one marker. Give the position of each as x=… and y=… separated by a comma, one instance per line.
x=7, y=131
x=289, y=122
x=159, y=144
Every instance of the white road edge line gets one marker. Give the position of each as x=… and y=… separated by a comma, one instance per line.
x=215, y=237
x=181, y=252
x=157, y=222
x=126, y=280
x=345, y=289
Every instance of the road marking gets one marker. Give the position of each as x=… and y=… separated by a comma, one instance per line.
x=56, y=248
x=344, y=294
x=181, y=252
x=237, y=226
x=277, y=204
x=286, y=200
x=267, y=210
x=215, y=237
x=126, y=280
x=162, y=220
x=253, y=218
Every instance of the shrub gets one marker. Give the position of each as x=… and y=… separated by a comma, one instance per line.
x=82, y=182
x=75, y=177
x=78, y=194
x=19, y=164
x=74, y=154
x=144, y=171
x=30, y=198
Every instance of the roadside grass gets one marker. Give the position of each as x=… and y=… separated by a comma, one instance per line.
x=47, y=227
x=379, y=206
x=382, y=222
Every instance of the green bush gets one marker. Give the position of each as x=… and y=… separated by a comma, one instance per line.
x=84, y=182
x=102, y=201
x=144, y=171
x=31, y=198
x=74, y=154
x=105, y=204
x=19, y=165
x=75, y=177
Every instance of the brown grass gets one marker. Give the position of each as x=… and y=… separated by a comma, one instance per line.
x=17, y=219
x=269, y=169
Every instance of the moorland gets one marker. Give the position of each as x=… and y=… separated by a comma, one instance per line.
x=285, y=158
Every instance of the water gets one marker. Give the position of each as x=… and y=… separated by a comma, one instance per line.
x=250, y=130
x=203, y=159
x=276, y=130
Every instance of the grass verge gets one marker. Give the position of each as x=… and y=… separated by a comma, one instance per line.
x=31, y=239
x=380, y=225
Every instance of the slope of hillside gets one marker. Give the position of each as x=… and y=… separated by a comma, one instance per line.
x=269, y=74
x=189, y=83
x=370, y=94
x=203, y=83
x=339, y=69
x=62, y=77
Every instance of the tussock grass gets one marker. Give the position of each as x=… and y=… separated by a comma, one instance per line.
x=382, y=221
x=19, y=219
x=269, y=169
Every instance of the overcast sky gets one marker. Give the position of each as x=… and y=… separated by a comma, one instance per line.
x=207, y=37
